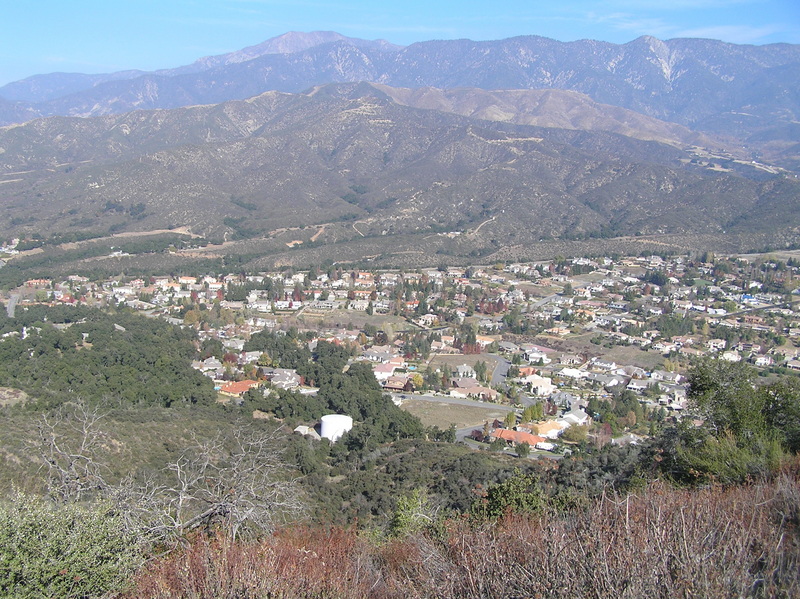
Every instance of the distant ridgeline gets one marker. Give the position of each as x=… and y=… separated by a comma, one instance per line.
x=479, y=150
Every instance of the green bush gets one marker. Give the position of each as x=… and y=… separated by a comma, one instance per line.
x=63, y=551
x=722, y=459
x=520, y=494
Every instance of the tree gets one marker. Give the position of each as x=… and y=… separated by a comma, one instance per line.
x=575, y=434
x=747, y=429
x=523, y=450
x=418, y=381
x=533, y=413
x=511, y=420
x=657, y=277
x=481, y=370
x=498, y=444
x=413, y=514
x=239, y=482
x=522, y=493
x=782, y=411
x=724, y=394
x=68, y=444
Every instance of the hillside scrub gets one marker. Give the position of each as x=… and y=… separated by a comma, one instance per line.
x=87, y=355
x=66, y=551
x=740, y=541
x=383, y=510
x=748, y=430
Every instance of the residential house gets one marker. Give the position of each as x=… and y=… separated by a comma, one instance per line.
x=466, y=371
x=666, y=376
x=477, y=392
x=284, y=378
x=576, y=417
x=383, y=371
x=516, y=437
x=237, y=388
x=539, y=385
x=398, y=383
x=549, y=429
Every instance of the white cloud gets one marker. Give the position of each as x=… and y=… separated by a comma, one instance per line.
x=628, y=22
x=736, y=34
x=663, y=28
x=673, y=5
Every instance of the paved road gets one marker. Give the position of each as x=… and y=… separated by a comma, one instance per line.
x=12, y=304
x=500, y=371
x=529, y=400
x=788, y=304
x=543, y=301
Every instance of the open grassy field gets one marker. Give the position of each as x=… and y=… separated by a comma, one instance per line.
x=621, y=354
x=444, y=414
x=649, y=360
x=456, y=360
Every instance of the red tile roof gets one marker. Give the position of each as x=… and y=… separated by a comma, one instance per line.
x=517, y=436
x=238, y=387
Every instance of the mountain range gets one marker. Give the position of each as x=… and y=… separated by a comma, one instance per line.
x=748, y=93
x=488, y=144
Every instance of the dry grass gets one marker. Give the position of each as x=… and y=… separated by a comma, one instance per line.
x=10, y=396
x=444, y=414
x=622, y=354
x=453, y=361
x=661, y=542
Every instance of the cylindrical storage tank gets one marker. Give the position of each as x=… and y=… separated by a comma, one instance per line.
x=333, y=426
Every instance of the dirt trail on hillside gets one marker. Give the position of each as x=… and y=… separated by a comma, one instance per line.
x=72, y=245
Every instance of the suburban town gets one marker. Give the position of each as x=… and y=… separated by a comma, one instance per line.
x=521, y=357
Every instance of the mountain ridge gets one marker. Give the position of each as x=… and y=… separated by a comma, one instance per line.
x=352, y=160
x=715, y=88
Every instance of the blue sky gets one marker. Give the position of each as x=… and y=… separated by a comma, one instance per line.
x=91, y=36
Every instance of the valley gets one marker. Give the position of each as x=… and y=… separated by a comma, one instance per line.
x=328, y=316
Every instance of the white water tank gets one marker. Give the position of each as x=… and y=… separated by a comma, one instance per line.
x=333, y=426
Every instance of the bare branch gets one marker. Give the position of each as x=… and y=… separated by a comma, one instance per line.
x=238, y=482
x=68, y=444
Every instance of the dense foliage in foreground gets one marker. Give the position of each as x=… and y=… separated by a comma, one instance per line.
x=64, y=551
x=660, y=542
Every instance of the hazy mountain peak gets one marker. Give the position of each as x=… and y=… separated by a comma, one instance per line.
x=297, y=41
x=290, y=43
x=742, y=92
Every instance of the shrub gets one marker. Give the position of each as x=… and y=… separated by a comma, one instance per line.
x=725, y=461
x=739, y=541
x=520, y=494
x=63, y=551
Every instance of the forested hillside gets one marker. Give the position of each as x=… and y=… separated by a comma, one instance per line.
x=61, y=355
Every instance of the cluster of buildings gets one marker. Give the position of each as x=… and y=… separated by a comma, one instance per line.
x=538, y=316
